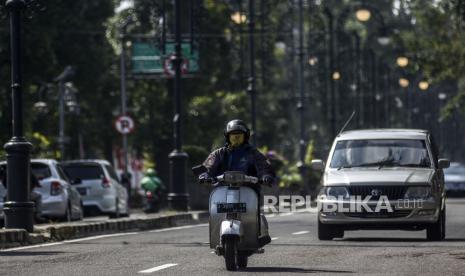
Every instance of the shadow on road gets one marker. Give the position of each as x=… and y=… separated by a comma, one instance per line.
x=398, y=240
x=30, y=253
x=291, y=270
x=384, y=239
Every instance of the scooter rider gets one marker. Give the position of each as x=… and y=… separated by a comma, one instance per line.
x=239, y=155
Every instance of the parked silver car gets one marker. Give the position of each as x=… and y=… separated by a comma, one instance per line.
x=99, y=186
x=455, y=179
x=382, y=179
x=57, y=198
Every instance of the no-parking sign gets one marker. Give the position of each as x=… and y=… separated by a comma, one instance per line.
x=124, y=124
x=168, y=66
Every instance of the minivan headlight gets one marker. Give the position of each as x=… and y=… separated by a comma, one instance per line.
x=420, y=192
x=337, y=191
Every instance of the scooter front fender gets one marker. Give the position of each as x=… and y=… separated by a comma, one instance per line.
x=231, y=228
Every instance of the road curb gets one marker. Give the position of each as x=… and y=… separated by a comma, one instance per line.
x=20, y=237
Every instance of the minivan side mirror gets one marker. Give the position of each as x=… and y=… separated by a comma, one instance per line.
x=443, y=163
x=318, y=165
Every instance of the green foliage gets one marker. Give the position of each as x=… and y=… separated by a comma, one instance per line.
x=438, y=44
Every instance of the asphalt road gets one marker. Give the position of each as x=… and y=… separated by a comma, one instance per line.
x=294, y=250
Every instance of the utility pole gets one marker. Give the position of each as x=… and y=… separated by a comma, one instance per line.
x=178, y=197
x=18, y=209
x=122, y=34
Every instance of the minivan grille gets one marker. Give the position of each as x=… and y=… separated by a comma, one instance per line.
x=381, y=214
x=392, y=192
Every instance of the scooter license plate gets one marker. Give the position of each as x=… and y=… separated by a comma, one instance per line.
x=231, y=208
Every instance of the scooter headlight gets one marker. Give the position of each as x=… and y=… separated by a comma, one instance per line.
x=420, y=192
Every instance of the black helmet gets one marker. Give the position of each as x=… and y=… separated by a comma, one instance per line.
x=236, y=125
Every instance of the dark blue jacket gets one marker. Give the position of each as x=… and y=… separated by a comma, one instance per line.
x=246, y=159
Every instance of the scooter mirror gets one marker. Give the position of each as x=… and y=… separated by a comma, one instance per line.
x=198, y=170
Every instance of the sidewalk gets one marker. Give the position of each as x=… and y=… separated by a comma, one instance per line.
x=63, y=231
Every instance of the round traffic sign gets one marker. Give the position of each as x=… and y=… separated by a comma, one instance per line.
x=124, y=124
x=169, y=68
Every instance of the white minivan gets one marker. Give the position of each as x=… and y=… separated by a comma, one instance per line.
x=382, y=179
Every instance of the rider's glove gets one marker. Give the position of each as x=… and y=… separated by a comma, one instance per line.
x=267, y=180
x=205, y=178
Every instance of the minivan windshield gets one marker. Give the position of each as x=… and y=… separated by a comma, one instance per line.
x=380, y=153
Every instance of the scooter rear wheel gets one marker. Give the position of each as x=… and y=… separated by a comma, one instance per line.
x=242, y=260
x=230, y=254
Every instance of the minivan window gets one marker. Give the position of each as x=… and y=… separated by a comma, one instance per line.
x=376, y=152
x=112, y=172
x=61, y=173
x=83, y=171
x=40, y=170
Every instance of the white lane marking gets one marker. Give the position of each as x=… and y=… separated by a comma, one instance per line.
x=213, y=252
x=69, y=241
x=157, y=268
x=286, y=214
x=179, y=228
x=300, y=233
x=275, y=238
x=270, y=216
x=309, y=210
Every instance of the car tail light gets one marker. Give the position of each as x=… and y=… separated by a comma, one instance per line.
x=55, y=188
x=149, y=194
x=106, y=182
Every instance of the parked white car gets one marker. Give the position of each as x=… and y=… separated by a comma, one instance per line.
x=99, y=186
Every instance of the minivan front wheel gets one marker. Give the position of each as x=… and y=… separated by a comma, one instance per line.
x=437, y=231
x=327, y=232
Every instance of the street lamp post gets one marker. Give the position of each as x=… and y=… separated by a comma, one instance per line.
x=251, y=86
x=61, y=112
x=300, y=105
x=178, y=197
x=61, y=79
x=332, y=84
x=18, y=209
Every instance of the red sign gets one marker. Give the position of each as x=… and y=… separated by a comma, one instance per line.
x=169, y=68
x=124, y=124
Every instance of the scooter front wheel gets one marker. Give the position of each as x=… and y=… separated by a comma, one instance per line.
x=230, y=253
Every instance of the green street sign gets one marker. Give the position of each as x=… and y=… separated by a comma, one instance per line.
x=148, y=59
